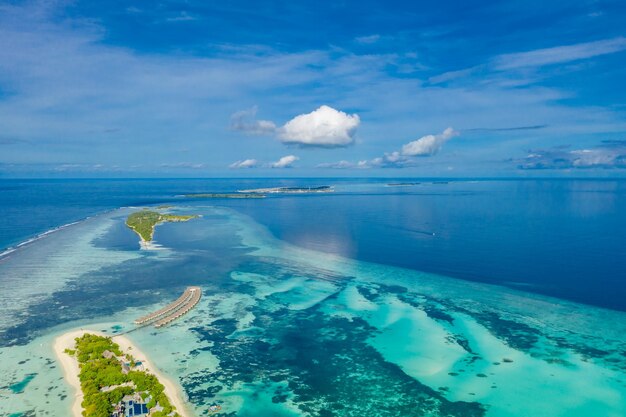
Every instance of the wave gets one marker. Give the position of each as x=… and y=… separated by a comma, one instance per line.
x=40, y=236
x=8, y=250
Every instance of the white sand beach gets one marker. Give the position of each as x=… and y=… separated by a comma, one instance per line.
x=71, y=370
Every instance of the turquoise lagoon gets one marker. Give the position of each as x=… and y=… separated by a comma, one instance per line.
x=286, y=331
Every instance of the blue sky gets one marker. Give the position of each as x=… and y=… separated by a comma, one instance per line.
x=367, y=88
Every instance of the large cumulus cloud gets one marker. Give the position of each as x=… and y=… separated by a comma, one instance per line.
x=324, y=127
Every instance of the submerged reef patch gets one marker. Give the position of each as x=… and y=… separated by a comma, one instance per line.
x=329, y=365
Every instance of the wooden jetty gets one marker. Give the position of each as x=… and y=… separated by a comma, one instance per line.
x=191, y=296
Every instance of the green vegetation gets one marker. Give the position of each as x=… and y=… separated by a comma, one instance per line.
x=225, y=195
x=98, y=370
x=143, y=222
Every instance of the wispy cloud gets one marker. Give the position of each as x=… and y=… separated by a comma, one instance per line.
x=85, y=168
x=389, y=160
x=425, y=146
x=452, y=75
x=369, y=39
x=607, y=155
x=559, y=54
x=184, y=165
x=522, y=62
x=245, y=121
x=337, y=165
x=245, y=163
x=285, y=162
x=505, y=129
x=181, y=17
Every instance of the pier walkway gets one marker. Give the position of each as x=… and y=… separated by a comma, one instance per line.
x=174, y=310
x=195, y=298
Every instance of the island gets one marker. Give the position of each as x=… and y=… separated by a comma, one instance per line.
x=143, y=222
x=225, y=195
x=109, y=381
x=290, y=190
x=403, y=184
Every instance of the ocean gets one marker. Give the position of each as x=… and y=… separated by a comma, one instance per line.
x=563, y=238
x=439, y=298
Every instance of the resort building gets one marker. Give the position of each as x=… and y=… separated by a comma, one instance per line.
x=131, y=406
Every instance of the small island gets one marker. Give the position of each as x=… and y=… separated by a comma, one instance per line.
x=111, y=382
x=225, y=195
x=143, y=222
x=290, y=190
x=403, y=184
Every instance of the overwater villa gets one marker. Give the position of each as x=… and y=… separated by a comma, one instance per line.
x=164, y=316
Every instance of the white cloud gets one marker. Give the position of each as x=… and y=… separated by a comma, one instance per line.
x=324, y=127
x=428, y=145
x=593, y=157
x=245, y=121
x=337, y=165
x=245, y=163
x=54, y=67
x=608, y=154
x=190, y=165
x=388, y=160
x=285, y=162
x=559, y=54
x=84, y=168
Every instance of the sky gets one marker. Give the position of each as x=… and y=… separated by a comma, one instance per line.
x=299, y=88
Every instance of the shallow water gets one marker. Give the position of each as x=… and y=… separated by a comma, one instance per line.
x=286, y=331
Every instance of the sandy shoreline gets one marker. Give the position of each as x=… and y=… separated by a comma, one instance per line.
x=71, y=370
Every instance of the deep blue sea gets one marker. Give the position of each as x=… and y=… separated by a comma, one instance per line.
x=563, y=238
